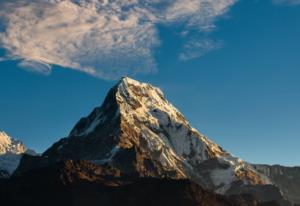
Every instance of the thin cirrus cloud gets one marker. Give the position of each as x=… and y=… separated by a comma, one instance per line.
x=104, y=38
x=197, y=48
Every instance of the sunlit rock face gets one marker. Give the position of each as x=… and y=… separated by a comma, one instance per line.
x=137, y=131
x=11, y=151
x=10, y=145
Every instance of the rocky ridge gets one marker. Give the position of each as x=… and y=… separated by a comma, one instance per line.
x=286, y=178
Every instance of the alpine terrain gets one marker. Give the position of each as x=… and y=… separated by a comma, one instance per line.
x=11, y=151
x=137, y=139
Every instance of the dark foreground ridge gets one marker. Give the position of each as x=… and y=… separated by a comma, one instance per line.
x=81, y=183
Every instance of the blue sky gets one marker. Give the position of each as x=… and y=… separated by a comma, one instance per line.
x=240, y=87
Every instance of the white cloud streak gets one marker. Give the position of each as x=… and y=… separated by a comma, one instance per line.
x=104, y=38
x=197, y=48
x=35, y=66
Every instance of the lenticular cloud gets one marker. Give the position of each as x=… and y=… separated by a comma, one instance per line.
x=104, y=38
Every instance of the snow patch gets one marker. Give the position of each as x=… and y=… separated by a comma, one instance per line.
x=110, y=157
x=100, y=119
x=223, y=178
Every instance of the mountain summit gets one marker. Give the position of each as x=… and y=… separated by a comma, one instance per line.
x=10, y=145
x=139, y=132
x=11, y=151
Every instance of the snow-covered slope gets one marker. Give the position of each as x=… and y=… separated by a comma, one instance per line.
x=137, y=130
x=11, y=151
x=10, y=145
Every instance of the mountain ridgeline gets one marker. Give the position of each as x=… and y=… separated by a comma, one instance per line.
x=11, y=151
x=144, y=141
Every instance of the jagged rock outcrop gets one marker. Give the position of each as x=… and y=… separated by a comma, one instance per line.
x=286, y=178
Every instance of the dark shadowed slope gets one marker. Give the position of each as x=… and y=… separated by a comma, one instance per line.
x=80, y=183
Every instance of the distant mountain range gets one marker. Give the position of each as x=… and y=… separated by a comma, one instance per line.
x=137, y=140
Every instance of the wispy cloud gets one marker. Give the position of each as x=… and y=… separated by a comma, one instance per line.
x=104, y=38
x=35, y=66
x=197, y=48
x=287, y=2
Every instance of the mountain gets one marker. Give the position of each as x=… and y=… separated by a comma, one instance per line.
x=11, y=151
x=82, y=183
x=137, y=131
x=286, y=178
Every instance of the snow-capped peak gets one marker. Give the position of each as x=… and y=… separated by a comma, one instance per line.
x=10, y=145
x=146, y=103
x=137, y=121
x=11, y=151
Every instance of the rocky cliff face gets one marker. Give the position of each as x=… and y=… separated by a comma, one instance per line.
x=286, y=178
